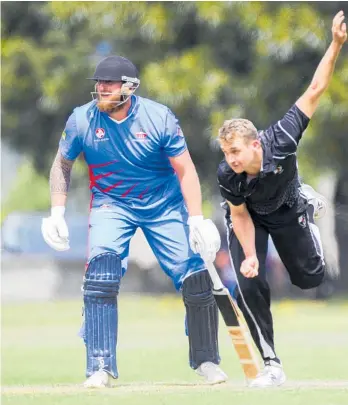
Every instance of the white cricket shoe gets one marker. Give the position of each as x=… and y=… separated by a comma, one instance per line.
x=211, y=372
x=317, y=200
x=271, y=376
x=99, y=379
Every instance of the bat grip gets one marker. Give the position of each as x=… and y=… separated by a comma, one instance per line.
x=214, y=275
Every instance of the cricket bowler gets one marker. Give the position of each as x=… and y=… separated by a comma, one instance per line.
x=259, y=181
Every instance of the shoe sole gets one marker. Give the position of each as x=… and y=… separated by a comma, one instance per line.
x=95, y=386
x=108, y=385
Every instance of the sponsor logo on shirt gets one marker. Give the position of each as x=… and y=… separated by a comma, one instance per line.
x=141, y=135
x=64, y=135
x=104, y=207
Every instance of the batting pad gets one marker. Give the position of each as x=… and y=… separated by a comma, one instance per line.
x=101, y=287
x=202, y=319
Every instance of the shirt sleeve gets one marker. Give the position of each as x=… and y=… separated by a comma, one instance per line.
x=70, y=144
x=173, y=142
x=287, y=132
x=227, y=191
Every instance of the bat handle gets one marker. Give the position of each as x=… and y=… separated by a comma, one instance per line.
x=214, y=275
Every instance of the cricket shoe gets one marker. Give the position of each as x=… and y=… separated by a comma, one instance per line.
x=99, y=379
x=318, y=201
x=271, y=376
x=211, y=372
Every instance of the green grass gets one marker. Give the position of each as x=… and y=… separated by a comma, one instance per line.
x=43, y=360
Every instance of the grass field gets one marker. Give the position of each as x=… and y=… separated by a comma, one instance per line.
x=43, y=360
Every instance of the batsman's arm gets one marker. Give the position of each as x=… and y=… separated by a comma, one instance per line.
x=309, y=101
x=60, y=179
x=189, y=182
x=243, y=228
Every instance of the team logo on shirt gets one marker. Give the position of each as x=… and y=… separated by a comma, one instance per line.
x=278, y=170
x=302, y=220
x=64, y=135
x=100, y=133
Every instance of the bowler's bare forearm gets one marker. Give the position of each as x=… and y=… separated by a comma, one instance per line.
x=60, y=179
x=244, y=229
x=325, y=69
x=309, y=101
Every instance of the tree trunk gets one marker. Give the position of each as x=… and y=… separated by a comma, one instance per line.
x=341, y=222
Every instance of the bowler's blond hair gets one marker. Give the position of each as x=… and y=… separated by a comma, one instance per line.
x=238, y=127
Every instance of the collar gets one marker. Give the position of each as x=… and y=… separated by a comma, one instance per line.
x=268, y=164
x=132, y=109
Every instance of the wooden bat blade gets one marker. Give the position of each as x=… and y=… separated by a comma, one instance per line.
x=238, y=331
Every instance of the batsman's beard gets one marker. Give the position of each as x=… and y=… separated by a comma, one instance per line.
x=111, y=104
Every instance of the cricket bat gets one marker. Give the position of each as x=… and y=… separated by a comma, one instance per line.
x=236, y=325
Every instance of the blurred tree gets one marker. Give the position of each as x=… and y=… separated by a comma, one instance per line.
x=18, y=199
x=40, y=65
x=208, y=61
x=341, y=199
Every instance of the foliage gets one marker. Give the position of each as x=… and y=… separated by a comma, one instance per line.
x=206, y=60
x=20, y=199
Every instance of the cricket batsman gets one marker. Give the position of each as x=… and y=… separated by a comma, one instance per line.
x=141, y=175
x=259, y=180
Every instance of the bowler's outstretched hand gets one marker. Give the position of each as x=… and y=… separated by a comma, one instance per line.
x=339, y=28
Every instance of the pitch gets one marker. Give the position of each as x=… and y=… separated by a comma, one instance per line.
x=43, y=358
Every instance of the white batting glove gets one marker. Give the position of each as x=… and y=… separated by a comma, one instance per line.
x=204, y=237
x=55, y=230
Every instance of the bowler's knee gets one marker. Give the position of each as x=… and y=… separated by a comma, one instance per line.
x=307, y=279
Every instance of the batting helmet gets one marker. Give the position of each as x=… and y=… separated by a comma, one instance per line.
x=116, y=68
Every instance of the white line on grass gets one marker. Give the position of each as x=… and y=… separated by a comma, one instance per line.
x=165, y=387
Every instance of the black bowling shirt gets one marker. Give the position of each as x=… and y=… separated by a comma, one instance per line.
x=277, y=183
